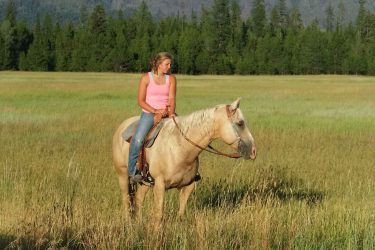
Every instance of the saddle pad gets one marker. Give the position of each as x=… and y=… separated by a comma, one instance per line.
x=129, y=132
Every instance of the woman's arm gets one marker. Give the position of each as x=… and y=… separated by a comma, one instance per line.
x=172, y=95
x=142, y=90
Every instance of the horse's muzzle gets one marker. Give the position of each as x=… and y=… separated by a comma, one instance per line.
x=247, y=150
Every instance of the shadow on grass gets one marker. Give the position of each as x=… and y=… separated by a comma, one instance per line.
x=6, y=240
x=28, y=242
x=268, y=184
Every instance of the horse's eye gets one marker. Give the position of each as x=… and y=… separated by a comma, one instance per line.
x=241, y=123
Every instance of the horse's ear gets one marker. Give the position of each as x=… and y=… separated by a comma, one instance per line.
x=235, y=104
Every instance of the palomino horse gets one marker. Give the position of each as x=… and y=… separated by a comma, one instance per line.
x=173, y=159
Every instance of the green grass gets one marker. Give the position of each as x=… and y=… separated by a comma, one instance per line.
x=312, y=185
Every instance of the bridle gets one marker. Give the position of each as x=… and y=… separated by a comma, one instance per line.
x=211, y=149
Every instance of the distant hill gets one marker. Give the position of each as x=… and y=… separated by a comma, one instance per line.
x=65, y=10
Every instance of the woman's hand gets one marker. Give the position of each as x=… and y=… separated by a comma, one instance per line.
x=162, y=112
x=159, y=114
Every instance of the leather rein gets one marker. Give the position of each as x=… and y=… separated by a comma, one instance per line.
x=211, y=149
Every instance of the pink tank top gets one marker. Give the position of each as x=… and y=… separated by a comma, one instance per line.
x=157, y=96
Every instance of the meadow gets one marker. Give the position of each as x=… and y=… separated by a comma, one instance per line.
x=312, y=185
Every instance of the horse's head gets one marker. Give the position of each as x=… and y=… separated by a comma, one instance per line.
x=231, y=127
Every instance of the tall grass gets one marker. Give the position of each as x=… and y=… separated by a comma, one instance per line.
x=311, y=187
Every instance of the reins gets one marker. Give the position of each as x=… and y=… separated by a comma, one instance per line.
x=212, y=150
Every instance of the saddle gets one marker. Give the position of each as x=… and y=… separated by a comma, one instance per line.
x=128, y=133
x=142, y=164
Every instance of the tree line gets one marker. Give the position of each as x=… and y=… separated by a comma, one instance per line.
x=219, y=41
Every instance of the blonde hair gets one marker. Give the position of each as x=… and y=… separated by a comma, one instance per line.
x=158, y=59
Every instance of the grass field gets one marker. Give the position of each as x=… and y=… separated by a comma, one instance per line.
x=312, y=185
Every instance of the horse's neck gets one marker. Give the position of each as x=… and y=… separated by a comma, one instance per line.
x=199, y=128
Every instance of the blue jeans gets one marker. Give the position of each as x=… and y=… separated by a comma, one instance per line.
x=145, y=124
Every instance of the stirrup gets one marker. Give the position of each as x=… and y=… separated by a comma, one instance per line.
x=137, y=178
x=148, y=180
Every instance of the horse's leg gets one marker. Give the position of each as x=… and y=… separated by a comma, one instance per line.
x=186, y=191
x=184, y=196
x=124, y=182
x=159, y=191
x=139, y=198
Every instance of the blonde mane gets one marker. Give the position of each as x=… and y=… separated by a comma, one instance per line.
x=202, y=119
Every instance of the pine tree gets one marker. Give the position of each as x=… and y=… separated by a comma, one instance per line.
x=351, y=36
x=355, y=63
x=10, y=13
x=371, y=58
x=258, y=19
x=247, y=63
x=262, y=54
x=2, y=50
x=291, y=45
x=64, y=47
x=141, y=46
x=189, y=49
x=81, y=52
x=370, y=27
x=83, y=15
x=237, y=39
x=221, y=25
x=23, y=64
x=365, y=23
x=314, y=52
x=362, y=20
x=361, y=13
x=295, y=21
x=119, y=58
x=292, y=53
x=284, y=16
x=338, y=50
x=166, y=35
x=340, y=16
x=330, y=18
x=49, y=37
x=275, y=28
x=9, y=31
x=204, y=59
x=98, y=21
x=221, y=34
x=37, y=58
x=100, y=40
x=24, y=37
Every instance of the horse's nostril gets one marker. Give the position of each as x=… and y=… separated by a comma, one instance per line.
x=253, y=154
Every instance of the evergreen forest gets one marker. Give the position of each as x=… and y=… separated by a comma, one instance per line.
x=218, y=41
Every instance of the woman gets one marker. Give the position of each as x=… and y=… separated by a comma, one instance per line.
x=156, y=94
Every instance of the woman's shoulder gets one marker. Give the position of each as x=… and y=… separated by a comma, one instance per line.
x=172, y=77
x=145, y=76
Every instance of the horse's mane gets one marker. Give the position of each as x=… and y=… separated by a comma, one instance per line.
x=202, y=119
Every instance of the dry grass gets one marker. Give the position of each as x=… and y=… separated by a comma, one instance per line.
x=311, y=187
